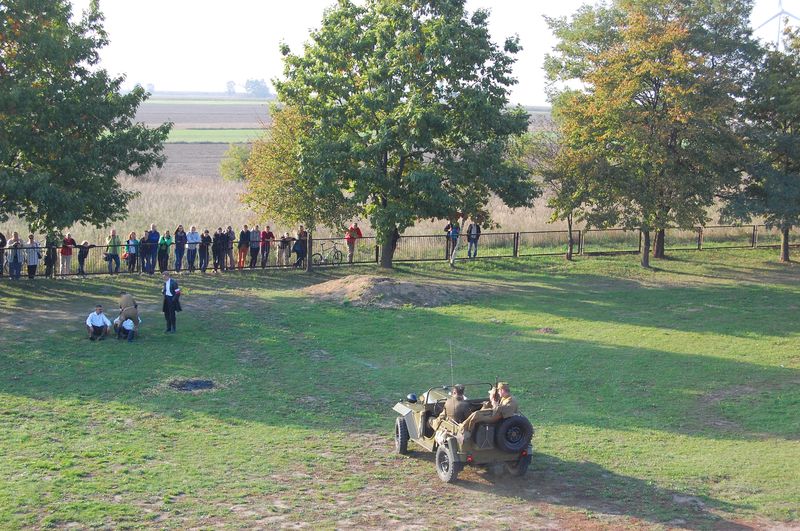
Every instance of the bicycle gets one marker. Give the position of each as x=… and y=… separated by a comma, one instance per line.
x=331, y=256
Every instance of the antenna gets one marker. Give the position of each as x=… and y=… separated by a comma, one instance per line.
x=780, y=16
x=452, y=376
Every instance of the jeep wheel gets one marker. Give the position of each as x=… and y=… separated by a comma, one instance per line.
x=513, y=434
x=401, y=436
x=446, y=465
x=519, y=468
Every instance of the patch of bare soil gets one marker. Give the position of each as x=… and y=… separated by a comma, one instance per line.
x=385, y=292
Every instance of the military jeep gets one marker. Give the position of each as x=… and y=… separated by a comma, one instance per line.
x=501, y=445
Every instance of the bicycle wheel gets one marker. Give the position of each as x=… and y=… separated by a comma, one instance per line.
x=338, y=256
x=317, y=260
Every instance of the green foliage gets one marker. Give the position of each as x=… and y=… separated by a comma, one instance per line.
x=233, y=163
x=276, y=187
x=660, y=85
x=66, y=129
x=771, y=187
x=406, y=105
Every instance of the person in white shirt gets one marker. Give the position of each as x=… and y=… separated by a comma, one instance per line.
x=97, y=324
x=127, y=329
x=192, y=238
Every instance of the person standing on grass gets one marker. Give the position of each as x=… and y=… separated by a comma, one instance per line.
x=163, y=251
x=50, y=255
x=132, y=250
x=219, y=247
x=228, y=261
x=192, y=238
x=172, y=302
x=204, y=247
x=153, y=239
x=255, y=246
x=180, y=247
x=266, y=242
x=67, y=245
x=453, y=235
x=301, y=246
x=351, y=237
x=244, y=246
x=14, y=256
x=473, y=234
x=113, y=245
x=97, y=324
x=3, y=242
x=83, y=252
x=144, y=252
x=32, y=256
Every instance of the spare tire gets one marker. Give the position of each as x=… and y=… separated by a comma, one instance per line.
x=513, y=434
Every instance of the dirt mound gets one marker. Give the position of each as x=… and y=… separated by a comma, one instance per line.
x=385, y=292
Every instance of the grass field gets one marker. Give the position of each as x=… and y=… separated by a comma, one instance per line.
x=664, y=397
x=215, y=136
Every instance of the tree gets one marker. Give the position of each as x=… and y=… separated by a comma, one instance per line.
x=257, y=88
x=660, y=86
x=230, y=88
x=66, y=129
x=771, y=186
x=407, y=112
x=564, y=172
x=232, y=165
x=276, y=188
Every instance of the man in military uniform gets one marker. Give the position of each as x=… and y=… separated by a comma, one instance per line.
x=128, y=310
x=455, y=408
x=501, y=405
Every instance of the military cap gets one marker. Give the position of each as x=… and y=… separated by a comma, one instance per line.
x=502, y=385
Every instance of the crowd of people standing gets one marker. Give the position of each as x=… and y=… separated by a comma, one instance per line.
x=190, y=250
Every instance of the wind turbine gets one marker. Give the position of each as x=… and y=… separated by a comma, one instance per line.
x=782, y=16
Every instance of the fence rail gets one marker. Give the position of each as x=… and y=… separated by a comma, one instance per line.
x=151, y=258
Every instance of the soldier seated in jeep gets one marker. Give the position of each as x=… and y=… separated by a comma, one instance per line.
x=501, y=405
x=455, y=408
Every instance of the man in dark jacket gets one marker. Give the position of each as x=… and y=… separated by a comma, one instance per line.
x=172, y=302
x=473, y=234
x=2, y=252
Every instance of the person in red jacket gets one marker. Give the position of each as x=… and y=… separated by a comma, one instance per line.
x=66, y=254
x=267, y=237
x=352, y=235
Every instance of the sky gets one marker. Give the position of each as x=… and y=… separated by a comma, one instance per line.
x=200, y=45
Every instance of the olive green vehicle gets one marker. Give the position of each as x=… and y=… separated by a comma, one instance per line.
x=502, y=445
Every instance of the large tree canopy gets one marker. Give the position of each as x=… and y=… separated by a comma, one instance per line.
x=771, y=187
x=659, y=93
x=406, y=105
x=66, y=129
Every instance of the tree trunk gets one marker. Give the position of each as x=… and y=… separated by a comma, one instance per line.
x=571, y=243
x=387, y=253
x=645, y=248
x=658, y=247
x=785, y=244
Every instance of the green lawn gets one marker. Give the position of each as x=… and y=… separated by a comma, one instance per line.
x=215, y=136
x=664, y=397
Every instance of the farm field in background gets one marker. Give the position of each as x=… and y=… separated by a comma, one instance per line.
x=215, y=136
x=660, y=397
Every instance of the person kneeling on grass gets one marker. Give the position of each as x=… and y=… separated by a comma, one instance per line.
x=127, y=329
x=97, y=324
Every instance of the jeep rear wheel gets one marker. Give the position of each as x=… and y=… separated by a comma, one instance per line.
x=519, y=468
x=513, y=434
x=401, y=436
x=446, y=465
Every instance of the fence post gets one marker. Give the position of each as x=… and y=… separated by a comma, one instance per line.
x=377, y=254
x=516, y=245
x=309, y=251
x=580, y=241
x=754, y=241
x=699, y=238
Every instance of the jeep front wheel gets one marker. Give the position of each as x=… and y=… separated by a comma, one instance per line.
x=446, y=465
x=401, y=436
x=519, y=468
